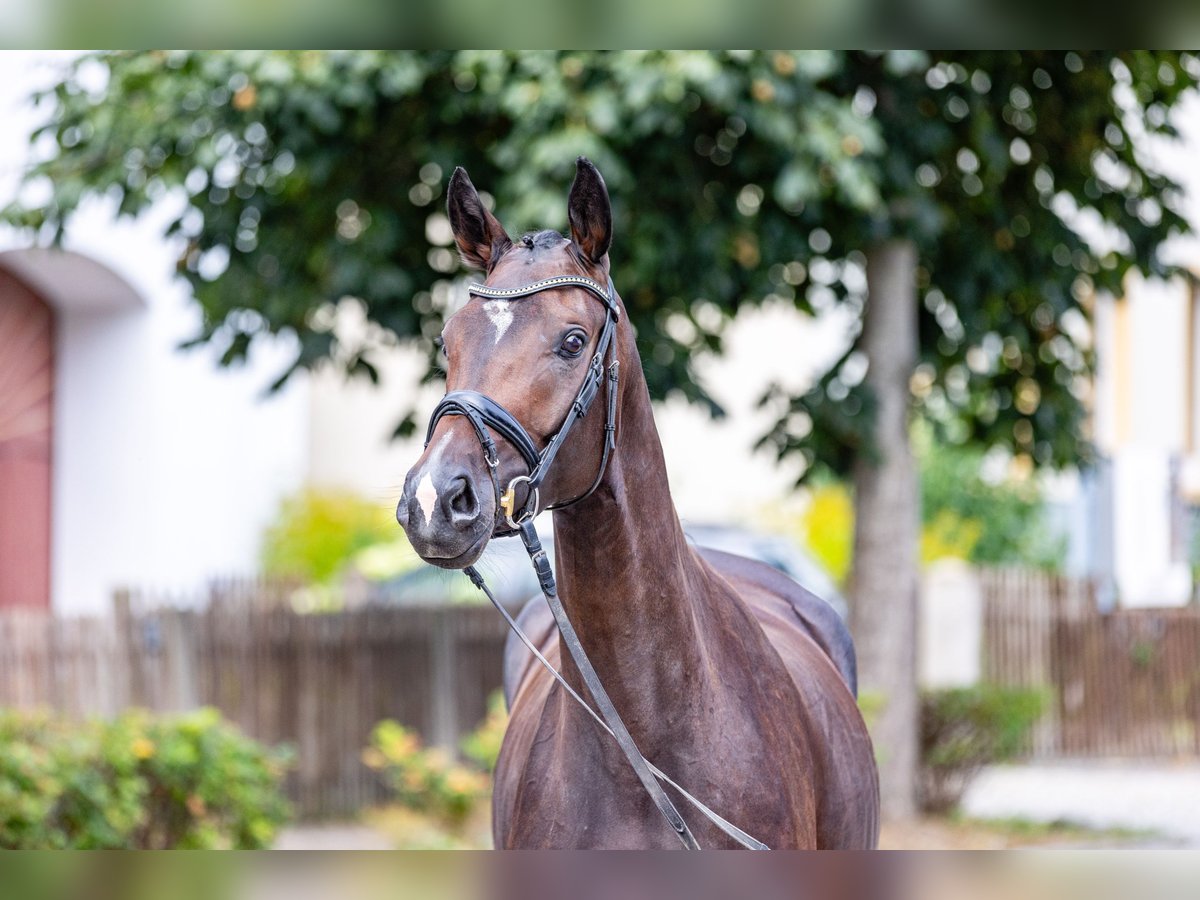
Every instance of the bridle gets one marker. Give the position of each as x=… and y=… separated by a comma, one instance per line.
x=483, y=413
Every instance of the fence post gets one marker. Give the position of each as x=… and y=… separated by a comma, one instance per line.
x=180, y=650
x=444, y=725
x=127, y=660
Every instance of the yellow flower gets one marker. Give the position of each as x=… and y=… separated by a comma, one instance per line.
x=462, y=781
x=373, y=759
x=143, y=748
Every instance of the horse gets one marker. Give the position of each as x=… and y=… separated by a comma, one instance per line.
x=731, y=678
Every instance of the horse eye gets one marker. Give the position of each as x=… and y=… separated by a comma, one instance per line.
x=573, y=344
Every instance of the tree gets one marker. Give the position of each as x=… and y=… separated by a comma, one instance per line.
x=941, y=194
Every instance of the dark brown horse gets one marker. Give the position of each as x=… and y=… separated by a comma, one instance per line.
x=732, y=679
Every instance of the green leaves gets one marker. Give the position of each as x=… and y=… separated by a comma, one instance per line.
x=315, y=176
x=964, y=729
x=136, y=782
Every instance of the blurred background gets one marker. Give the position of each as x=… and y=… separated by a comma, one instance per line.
x=923, y=331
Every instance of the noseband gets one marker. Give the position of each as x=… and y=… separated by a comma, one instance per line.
x=483, y=412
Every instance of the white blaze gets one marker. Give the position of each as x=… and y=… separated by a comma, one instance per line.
x=501, y=315
x=426, y=496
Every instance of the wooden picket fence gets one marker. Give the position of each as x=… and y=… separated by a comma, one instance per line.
x=1123, y=683
x=1119, y=683
x=317, y=682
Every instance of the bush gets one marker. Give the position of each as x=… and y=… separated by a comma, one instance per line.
x=137, y=782
x=316, y=534
x=965, y=515
x=964, y=729
x=426, y=780
x=997, y=521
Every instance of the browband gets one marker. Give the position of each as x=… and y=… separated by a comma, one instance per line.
x=546, y=284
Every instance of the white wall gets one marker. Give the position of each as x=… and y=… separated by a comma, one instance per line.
x=352, y=421
x=950, y=643
x=165, y=467
x=1150, y=433
x=715, y=474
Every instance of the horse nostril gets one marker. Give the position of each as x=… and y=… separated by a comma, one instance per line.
x=461, y=501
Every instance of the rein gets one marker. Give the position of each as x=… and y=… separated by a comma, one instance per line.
x=484, y=413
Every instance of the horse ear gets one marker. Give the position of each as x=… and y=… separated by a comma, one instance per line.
x=479, y=235
x=589, y=211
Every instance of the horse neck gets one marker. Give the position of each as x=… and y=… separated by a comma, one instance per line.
x=629, y=582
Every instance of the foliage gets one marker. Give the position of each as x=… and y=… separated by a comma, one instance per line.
x=965, y=514
x=964, y=729
x=736, y=178
x=138, y=782
x=316, y=533
x=482, y=746
x=828, y=524
x=947, y=535
x=1002, y=515
x=382, y=562
x=426, y=780
x=991, y=163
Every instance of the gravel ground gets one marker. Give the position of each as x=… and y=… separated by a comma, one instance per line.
x=1163, y=797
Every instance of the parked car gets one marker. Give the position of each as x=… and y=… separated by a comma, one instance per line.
x=506, y=568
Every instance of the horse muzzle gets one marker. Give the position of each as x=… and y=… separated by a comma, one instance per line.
x=446, y=513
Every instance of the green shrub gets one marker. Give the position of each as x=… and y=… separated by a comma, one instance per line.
x=426, y=780
x=1005, y=518
x=137, y=782
x=964, y=729
x=317, y=533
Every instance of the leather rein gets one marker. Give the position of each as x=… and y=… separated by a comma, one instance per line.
x=484, y=413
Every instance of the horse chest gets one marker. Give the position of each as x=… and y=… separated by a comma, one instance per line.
x=576, y=791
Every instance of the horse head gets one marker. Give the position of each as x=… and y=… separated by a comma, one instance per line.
x=516, y=357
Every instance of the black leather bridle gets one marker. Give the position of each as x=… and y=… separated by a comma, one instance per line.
x=484, y=413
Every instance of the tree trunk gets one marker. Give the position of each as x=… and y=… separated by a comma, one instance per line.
x=886, y=528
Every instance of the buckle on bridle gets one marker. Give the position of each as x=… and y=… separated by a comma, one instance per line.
x=508, y=502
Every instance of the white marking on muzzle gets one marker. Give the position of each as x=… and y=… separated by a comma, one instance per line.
x=501, y=315
x=427, y=497
x=427, y=494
